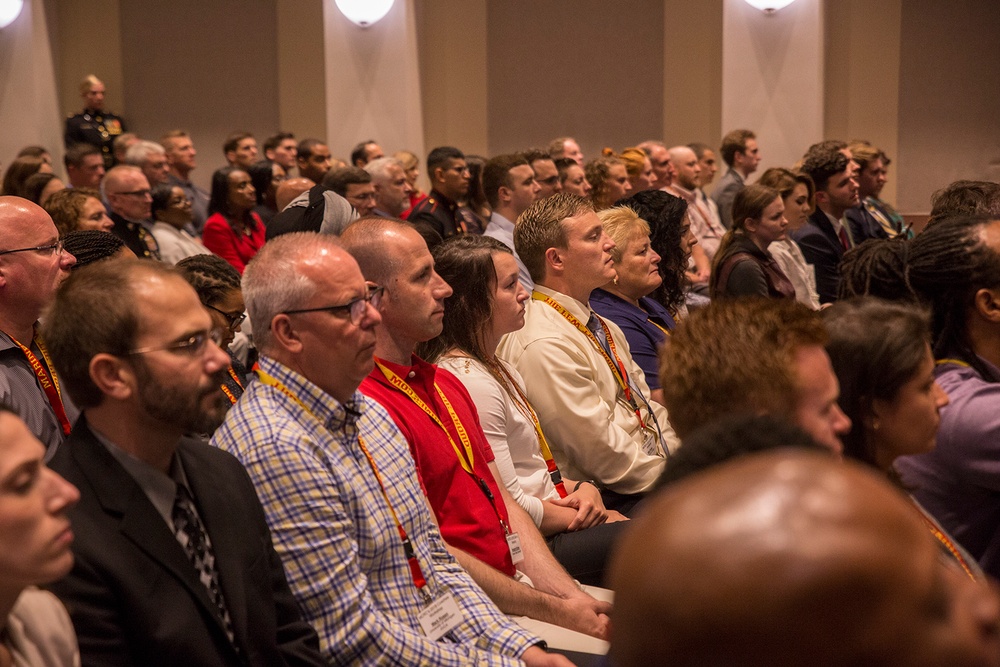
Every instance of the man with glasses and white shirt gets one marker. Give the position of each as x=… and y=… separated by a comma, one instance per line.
x=127, y=193
x=32, y=264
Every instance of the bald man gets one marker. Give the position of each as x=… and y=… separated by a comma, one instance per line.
x=791, y=558
x=32, y=264
x=685, y=185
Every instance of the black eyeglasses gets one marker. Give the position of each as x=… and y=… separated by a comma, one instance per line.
x=355, y=307
x=192, y=346
x=53, y=249
x=135, y=193
x=234, y=319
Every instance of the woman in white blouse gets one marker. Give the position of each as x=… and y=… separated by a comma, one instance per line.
x=487, y=303
x=35, y=539
x=797, y=193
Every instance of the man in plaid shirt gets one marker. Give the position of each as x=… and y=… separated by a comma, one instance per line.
x=360, y=549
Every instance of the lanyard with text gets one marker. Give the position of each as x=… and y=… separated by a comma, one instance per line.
x=47, y=378
x=616, y=365
x=467, y=463
x=543, y=444
x=411, y=557
x=227, y=391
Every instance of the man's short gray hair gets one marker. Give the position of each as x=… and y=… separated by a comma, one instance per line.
x=379, y=169
x=139, y=152
x=273, y=283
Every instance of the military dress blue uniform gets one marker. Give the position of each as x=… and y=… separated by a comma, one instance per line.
x=95, y=127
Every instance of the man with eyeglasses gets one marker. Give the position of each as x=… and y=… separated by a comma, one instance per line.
x=339, y=488
x=438, y=216
x=126, y=190
x=545, y=171
x=173, y=560
x=32, y=264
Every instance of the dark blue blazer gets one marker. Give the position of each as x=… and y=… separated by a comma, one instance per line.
x=822, y=248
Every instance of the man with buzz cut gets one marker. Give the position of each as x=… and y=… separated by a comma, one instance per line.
x=741, y=154
x=511, y=187
x=173, y=562
x=685, y=185
x=361, y=551
x=591, y=397
x=486, y=530
x=181, y=155
x=440, y=214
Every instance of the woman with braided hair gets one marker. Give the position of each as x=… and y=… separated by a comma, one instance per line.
x=218, y=286
x=953, y=267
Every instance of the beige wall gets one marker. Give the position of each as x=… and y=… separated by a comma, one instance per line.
x=86, y=40
x=948, y=97
x=862, y=77
x=301, y=69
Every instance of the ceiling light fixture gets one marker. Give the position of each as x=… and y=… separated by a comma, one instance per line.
x=767, y=6
x=364, y=13
x=9, y=11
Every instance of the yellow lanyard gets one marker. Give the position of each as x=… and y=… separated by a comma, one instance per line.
x=468, y=461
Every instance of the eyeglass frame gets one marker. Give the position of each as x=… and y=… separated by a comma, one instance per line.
x=192, y=346
x=52, y=248
x=234, y=319
x=373, y=297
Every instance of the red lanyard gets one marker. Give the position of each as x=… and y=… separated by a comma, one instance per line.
x=48, y=380
x=949, y=545
x=467, y=463
x=411, y=556
x=524, y=407
x=616, y=365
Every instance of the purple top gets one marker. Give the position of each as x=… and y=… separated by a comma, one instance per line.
x=643, y=336
x=959, y=482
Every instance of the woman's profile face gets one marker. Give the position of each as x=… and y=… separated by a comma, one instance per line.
x=908, y=423
x=508, y=296
x=35, y=534
x=242, y=196
x=638, y=269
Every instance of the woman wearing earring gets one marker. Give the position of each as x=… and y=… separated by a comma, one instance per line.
x=881, y=354
x=625, y=300
x=743, y=266
x=487, y=303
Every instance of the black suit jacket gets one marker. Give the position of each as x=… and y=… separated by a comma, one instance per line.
x=822, y=248
x=133, y=595
x=863, y=225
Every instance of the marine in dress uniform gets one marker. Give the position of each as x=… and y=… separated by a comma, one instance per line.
x=96, y=127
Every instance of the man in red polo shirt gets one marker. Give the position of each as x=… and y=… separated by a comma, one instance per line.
x=489, y=534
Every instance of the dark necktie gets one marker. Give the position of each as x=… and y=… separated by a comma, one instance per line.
x=198, y=547
x=844, y=240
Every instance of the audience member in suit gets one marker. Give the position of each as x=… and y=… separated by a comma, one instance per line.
x=825, y=237
x=740, y=152
x=173, y=559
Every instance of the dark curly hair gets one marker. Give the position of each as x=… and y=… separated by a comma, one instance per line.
x=211, y=277
x=667, y=226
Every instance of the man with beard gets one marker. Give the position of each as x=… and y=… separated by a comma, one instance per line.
x=163, y=574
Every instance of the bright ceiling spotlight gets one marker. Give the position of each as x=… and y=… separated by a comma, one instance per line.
x=365, y=13
x=769, y=6
x=9, y=11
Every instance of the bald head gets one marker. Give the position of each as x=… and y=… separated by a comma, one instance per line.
x=792, y=558
x=371, y=241
x=29, y=277
x=686, y=164
x=290, y=189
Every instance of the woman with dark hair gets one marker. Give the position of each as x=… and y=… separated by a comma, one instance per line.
x=624, y=300
x=233, y=231
x=743, y=266
x=881, y=354
x=476, y=211
x=487, y=303
x=218, y=287
x=35, y=550
x=266, y=176
x=78, y=208
x=39, y=187
x=172, y=215
x=953, y=267
x=796, y=192
x=608, y=178
x=94, y=245
x=18, y=172
x=671, y=238
x=872, y=269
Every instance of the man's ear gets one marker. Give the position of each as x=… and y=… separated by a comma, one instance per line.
x=284, y=333
x=504, y=193
x=554, y=260
x=987, y=304
x=114, y=376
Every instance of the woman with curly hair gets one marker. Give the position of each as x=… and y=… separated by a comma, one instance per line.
x=609, y=178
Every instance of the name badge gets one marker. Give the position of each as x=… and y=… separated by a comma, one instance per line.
x=440, y=617
x=651, y=442
x=514, y=544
